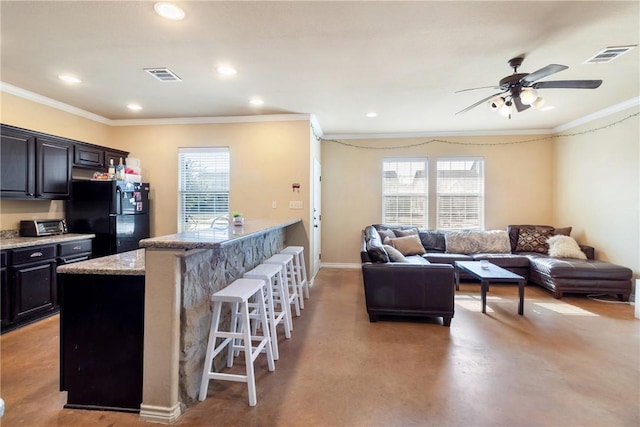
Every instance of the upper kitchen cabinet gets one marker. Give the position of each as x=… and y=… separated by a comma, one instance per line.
x=34, y=166
x=95, y=157
x=18, y=158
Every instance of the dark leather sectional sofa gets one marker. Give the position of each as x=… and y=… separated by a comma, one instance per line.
x=423, y=285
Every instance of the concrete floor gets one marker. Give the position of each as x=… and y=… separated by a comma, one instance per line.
x=569, y=362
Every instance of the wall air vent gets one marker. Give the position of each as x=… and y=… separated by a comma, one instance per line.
x=608, y=54
x=163, y=74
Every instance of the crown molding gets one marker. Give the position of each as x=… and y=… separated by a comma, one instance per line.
x=22, y=93
x=211, y=120
x=630, y=103
x=438, y=134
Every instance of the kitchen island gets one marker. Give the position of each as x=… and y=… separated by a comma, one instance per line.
x=101, y=331
x=182, y=271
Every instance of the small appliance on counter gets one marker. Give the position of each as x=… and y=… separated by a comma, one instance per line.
x=42, y=227
x=117, y=212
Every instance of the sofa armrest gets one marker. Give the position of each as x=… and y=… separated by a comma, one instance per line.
x=400, y=286
x=589, y=251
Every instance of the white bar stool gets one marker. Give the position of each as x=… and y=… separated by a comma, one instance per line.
x=277, y=296
x=286, y=261
x=238, y=294
x=300, y=269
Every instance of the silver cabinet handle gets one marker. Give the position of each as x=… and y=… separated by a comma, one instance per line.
x=35, y=254
x=77, y=248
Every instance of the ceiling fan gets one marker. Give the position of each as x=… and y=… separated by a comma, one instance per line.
x=519, y=89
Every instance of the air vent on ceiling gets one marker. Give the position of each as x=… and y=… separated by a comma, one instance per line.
x=163, y=74
x=608, y=54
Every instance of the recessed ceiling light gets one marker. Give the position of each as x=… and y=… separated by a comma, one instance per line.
x=226, y=70
x=256, y=101
x=69, y=79
x=169, y=11
x=134, y=107
x=372, y=114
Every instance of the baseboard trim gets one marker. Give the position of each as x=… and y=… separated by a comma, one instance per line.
x=160, y=414
x=340, y=265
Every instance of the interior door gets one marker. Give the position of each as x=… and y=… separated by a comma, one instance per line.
x=317, y=216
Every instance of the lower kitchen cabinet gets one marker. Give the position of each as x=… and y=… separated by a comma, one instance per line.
x=29, y=285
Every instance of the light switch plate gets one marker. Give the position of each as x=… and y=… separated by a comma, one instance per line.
x=296, y=204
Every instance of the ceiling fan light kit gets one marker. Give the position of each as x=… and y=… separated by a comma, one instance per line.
x=520, y=89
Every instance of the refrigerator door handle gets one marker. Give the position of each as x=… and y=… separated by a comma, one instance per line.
x=118, y=201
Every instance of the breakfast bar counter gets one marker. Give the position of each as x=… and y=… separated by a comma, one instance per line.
x=182, y=272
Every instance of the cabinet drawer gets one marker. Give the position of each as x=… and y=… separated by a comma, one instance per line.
x=74, y=248
x=33, y=254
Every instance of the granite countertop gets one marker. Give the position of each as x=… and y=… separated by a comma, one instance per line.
x=25, y=242
x=216, y=237
x=123, y=264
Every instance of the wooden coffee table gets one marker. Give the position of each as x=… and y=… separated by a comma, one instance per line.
x=493, y=274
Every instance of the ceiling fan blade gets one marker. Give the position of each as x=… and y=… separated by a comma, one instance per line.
x=480, y=102
x=542, y=72
x=519, y=105
x=476, y=88
x=568, y=84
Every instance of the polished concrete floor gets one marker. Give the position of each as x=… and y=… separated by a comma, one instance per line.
x=572, y=362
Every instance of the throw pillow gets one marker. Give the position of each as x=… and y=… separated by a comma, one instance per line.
x=532, y=240
x=374, y=245
x=564, y=247
x=433, y=240
x=394, y=254
x=405, y=232
x=386, y=233
x=564, y=231
x=408, y=245
x=478, y=242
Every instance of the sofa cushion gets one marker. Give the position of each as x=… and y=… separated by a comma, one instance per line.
x=564, y=247
x=476, y=241
x=386, y=233
x=438, y=258
x=394, y=254
x=578, y=268
x=533, y=240
x=504, y=260
x=433, y=240
x=374, y=245
x=408, y=245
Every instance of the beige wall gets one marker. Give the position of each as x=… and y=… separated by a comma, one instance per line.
x=266, y=158
x=27, y=114
x=518, y=179
x=598, y=187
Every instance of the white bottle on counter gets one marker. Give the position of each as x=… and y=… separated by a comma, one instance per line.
x=112, y=170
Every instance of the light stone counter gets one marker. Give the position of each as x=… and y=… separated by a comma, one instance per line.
x=25, y=242
x=182, y=272
x=129, y=263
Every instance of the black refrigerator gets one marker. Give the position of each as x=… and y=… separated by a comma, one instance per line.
x=117, y=212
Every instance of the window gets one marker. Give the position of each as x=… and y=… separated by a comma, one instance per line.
x=405, y=192
x=203, y=187
x=460, y=188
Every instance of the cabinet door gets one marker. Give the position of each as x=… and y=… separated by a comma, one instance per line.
x=115, y=156
x=18, y=158
x=34, y=289
x=54, y=168
x=88, y=156
x=4, y=291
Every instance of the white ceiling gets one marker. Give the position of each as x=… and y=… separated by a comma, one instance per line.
x=335, y=60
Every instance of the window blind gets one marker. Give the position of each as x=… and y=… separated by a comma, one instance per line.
x=405, y=192
x=203, y=187
x=460, y=188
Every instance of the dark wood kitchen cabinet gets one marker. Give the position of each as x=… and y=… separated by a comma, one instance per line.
x=34, y=166
x=4, y=289
x=30, y=286
x=18, y=157
x=95, y=157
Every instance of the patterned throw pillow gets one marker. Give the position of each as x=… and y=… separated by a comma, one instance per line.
x=532, y=240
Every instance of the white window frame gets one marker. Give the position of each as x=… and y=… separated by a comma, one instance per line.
x=204, y=177
x=460, y=199
x=408, y=186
